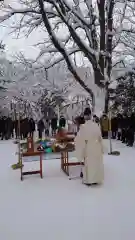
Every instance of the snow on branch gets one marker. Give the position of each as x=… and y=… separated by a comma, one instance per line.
x=62, y=50
x=9, y=12
x=56, y=59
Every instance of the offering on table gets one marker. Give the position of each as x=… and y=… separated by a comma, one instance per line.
x=68, y=146
x=40, y=148
x=48, y=150
x=62, y=133
x=45, y=146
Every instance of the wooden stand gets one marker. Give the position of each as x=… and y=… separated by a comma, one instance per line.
x=40, y=171
x=65, y=164
x=30, y=144
x=31, y=153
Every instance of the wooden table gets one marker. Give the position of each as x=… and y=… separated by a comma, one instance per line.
x=31, y=154
x=65, y=163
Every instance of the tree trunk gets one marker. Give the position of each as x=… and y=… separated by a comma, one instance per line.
x=99, y=91
x=109, y=38
x=106, y=99
x=98, y=78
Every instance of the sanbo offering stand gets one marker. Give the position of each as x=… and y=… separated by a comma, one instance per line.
x=65, y=164
x=31, y=153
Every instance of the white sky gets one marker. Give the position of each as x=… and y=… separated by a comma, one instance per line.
x=23, y=44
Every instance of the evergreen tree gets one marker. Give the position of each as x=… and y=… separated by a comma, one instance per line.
x=125, y=92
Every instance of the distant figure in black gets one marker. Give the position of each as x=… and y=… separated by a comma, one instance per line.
x=62, y=122
x=31, y=127
x=54, y=125
x=131, y=130
x=41, y=128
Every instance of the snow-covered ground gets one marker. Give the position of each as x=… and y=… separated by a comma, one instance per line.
x=54, y=208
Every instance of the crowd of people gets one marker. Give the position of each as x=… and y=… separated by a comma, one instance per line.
x=10, y=129
x=44, y=126
x=122, y=127
x=26, y=127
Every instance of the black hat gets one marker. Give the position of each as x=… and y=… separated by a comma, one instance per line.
x=87, y=112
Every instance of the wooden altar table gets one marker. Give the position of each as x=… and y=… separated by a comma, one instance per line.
x=65, y=162
x=32, y=154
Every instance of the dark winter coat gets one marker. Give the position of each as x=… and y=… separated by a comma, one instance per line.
x=124, y=122
x=131, y=122
x=31, y=125
x=119, y=121
x=24, y=127
x=3, y=125
x=62, y=122
x=41, y=125
x=114, y=124
x=54, y=123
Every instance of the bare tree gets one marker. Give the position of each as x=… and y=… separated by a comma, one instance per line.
x=88, y=30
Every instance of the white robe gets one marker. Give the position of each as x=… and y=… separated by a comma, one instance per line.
x=88, y=146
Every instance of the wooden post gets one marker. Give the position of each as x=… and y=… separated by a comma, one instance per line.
x=115, y=153
x=30, y=144
x=110, y=131
x=19, y=137
x=41, y=171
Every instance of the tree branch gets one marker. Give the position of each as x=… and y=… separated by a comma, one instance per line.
x=62, y=50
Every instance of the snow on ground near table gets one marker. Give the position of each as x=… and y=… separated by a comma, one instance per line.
x=55, y=208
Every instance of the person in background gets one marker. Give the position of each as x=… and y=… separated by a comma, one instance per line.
x=22, y=128
x=96, y=119
x=40, y=128
x=31, y=127
x=12, y=129
x=124, y=126
x=119, y=122
x=114, y=127
x=16, y=128
x=131, y=130
x=47, y=127
x=25, y=127
x=62, y=122
x=54, y=125
x=3, y=128
x=8, y=128
x=88, y=147
x=104, y=123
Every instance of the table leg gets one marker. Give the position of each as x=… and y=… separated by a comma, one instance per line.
x=66, y=163
x=21, y=168
x=62, y=161
x=41, y=171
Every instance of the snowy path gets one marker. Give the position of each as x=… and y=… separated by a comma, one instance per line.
x=58, y=209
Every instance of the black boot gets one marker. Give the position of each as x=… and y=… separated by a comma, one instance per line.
x=81, y=174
